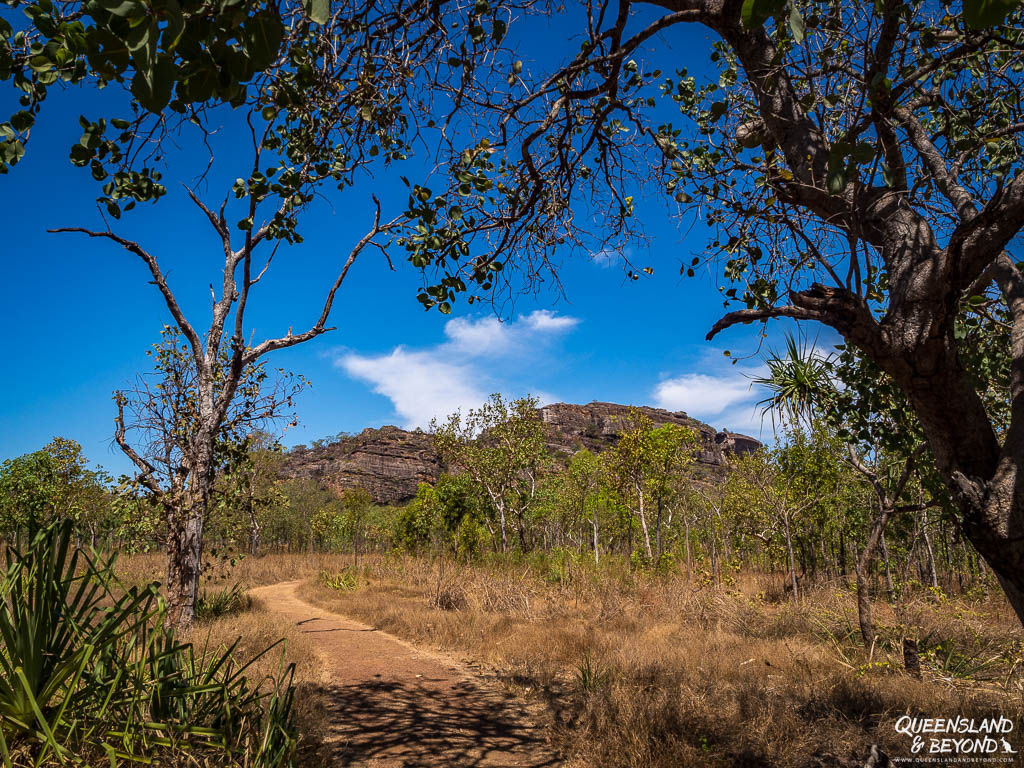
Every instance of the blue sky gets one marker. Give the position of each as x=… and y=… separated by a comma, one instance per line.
x=79, y=314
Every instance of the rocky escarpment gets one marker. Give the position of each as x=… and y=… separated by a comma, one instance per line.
x=390, y=462
x=597, y=427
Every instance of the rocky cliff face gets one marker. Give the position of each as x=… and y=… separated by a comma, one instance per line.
x=390, y=462
x=597, y=426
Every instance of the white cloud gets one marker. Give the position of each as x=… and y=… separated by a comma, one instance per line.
x=546, y=320
x=700, y=394
x=485, y=336
x=725, y=399
x=611, y=257
x=420, y=385
x=460, y=372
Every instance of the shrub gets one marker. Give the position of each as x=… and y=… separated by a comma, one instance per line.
x=342, y=581
x=221, y=602
x=89, y=671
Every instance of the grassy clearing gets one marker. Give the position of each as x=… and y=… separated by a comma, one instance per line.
x=661, y=670
x=667, y=671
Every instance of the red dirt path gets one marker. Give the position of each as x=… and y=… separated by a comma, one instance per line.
x=393, y=704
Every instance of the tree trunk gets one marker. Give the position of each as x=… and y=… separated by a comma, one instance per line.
x=597, y=549
x=864, y=618
x=983, y=476
x=503, y=527
x=890, y=588
x=521, y=524
x=184, y=565
x=689, y=549
x=254, y=536
x=643, y=526
x=792, y=559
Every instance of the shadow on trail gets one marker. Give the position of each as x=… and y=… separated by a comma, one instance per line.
x=416, y=725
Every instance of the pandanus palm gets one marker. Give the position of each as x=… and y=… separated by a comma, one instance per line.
x=88, y=669
x=799, y=382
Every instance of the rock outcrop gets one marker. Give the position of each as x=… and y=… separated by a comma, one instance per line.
x=597, y=426
x=390, y=463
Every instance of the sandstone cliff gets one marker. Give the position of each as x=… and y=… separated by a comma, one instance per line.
x=390, y=462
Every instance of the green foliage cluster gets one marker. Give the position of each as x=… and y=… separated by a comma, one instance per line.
x=104, y=679
x=57, y=483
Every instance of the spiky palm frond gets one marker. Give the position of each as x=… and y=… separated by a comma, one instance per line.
x=799, y=382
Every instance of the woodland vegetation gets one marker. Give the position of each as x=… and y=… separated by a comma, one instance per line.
x=802, y=508
x=757, y=567
x=858, y=165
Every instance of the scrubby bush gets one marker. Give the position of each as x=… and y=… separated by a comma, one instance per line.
x=90, y=672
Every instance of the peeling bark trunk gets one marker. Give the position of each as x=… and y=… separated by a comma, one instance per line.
x=643, y=526
x=184, y=566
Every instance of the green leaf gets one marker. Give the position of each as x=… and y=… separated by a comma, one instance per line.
x=22, y=120
x=980, y=14
x=754, y=13
x=263, y=39
x=444, y=308
x=796, y=24
x=119, y=7
x=154, y=92
x=836, y=182
x=864, y=152
x=175, y=25
x=318, y=10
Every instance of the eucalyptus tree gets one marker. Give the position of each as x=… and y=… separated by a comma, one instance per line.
x=644, y=467
x=578, y=494
x=501, y=446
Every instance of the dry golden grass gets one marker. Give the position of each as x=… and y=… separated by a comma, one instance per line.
x=665, y=671
x=652, y=670
x=247, y=570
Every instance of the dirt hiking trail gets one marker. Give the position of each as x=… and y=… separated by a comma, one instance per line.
x=392, y=704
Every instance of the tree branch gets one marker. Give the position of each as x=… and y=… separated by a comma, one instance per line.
x=319, y=327
x=158, y=278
